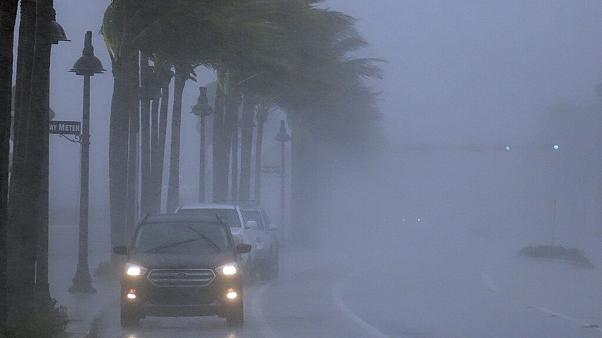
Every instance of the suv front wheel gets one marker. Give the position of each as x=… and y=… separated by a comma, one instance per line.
x=129, y=317
x=236, y=316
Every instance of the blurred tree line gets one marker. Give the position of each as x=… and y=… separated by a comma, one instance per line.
x=291, y=55
x=276, y=54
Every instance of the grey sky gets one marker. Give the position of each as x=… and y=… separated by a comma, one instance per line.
x=457, y=71
x=468, y=70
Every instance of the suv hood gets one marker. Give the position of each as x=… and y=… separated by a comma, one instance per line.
x=171, y=261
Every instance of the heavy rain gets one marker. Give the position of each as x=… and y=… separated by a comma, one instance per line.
x=300, y=168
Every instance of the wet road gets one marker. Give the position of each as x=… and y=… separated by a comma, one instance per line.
x=434, y=286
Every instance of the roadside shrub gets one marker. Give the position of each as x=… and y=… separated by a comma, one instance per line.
x=558, y=252
x=47, y=323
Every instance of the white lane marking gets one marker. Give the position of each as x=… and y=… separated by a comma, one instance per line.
x=257, y=306
x=338, y=301
x=568, y=318
x=493, y=286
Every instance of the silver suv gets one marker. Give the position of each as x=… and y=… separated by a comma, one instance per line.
x=248, y=225
x=265, y=244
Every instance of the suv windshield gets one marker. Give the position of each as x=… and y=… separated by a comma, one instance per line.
x=184, y=237
x=229, y=216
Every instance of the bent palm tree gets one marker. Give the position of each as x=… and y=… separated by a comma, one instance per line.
x=8, y=13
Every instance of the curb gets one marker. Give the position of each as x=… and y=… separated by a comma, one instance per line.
x=92, y=331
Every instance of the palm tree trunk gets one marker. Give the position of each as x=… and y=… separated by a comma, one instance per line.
x=258, y=159
x=30, y=223
x=118, y=151
x=40, y=110
x=173, y=191
x=299, y=185
x=145, y=137
x=24, y=67
x=125, y=73
x=133, y=109
x=8, y=13
x=202, y=157
x=159, y=160
x=21, y=264
x=154, y=135
x=248, y=118
x=234, y=153
x=220, y=162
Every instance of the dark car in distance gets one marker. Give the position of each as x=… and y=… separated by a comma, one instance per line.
x=181, y=266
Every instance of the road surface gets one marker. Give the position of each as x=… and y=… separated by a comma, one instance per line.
x=425, y=285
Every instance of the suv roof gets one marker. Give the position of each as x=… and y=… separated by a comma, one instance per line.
x=208, y=206
x=175, y=218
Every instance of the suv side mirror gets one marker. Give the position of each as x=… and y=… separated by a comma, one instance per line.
x=243, y=248
x=120, y=250
x=251, y=225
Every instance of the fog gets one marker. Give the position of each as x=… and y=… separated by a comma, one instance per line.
x=420, y=235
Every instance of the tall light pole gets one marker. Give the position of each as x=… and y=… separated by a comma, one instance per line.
x=555, y=149
x=202, y=109
x=283, y=137
x=87, y=66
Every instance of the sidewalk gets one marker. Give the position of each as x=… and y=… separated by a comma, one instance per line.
x=82, y=309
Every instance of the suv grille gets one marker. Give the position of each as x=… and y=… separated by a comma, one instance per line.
x=181, y=277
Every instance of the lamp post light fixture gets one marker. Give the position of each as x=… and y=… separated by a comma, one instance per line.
x=57, y=33
x=87, y=66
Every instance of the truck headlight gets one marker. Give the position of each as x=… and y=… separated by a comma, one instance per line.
x=134, y=270
x=228, y=270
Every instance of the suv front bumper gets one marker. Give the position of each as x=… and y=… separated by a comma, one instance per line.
x=210, y=300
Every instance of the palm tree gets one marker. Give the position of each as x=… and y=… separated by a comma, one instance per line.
x=8, y=13
x=276, y=48
x=20, y=224
x=31, y=178
x=322, y=79
x=263, y=112
x=146, y=98
x=40, y=113
x=115, y=31
x=164, y=76
x=183, y=72
x=233, y=103
x=246, y=142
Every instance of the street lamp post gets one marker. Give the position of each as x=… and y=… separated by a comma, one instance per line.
x=202, y=109
x=87, y=66
x=283, y=137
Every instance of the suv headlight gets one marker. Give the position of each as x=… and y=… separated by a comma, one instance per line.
x=135, y=270
x=228, y=270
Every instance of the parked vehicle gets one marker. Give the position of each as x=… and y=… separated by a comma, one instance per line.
x=229, y=214
x=266, y=248
x=249, y=224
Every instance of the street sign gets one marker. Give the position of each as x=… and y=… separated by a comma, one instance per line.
x=65, y=127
